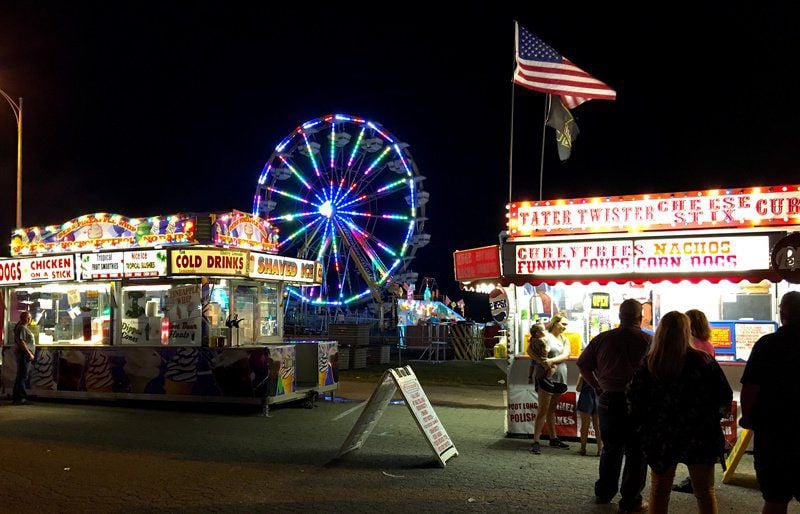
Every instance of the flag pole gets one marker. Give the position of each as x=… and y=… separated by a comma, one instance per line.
x=511, y=145
x=541, y=155
x=511, y=140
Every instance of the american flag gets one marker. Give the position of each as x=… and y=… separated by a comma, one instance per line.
x=541, y=68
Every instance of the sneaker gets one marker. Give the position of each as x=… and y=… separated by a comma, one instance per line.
x=601, y=501
x=642, y=507
x=536, y=448
x=557, y=443
x=21, y=402
x=684, y=486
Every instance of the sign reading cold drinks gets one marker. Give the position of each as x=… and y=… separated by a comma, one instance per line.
x=208, y=261
x=726, y=208
x=652, y=256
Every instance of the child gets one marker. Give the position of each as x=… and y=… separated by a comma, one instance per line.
x=540, y=373
x=537, y=351
x=587, y=408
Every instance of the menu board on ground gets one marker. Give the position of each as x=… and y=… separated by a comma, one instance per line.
x=417, y=402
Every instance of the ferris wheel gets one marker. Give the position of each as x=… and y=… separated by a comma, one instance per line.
x=345, y=192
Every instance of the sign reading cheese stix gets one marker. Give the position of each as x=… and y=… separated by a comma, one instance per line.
x=208, y=261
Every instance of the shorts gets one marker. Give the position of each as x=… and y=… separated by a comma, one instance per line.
x=775, y=468
x=548, y=386
x=587, y=401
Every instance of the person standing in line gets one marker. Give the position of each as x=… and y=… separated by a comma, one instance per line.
x=541, y=375
x=647, y=318
x=587, y=410
x=24, y=345
x=676, y=400
x=701, y=333
x=557, y=356
x=769, y=390
x=608, y=364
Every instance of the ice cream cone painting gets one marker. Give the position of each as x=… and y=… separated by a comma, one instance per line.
x=98, y=378
x=43, y=371
x=328, y=363
x=281, y=365
x=142, y=366
x=181, y=371
x=287, y=379
x=71, y=364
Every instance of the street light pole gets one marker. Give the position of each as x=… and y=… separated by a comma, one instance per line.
x=16, y=107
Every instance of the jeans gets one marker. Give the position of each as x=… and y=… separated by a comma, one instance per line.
x=23, y=365
x=619, y=440
x=702, y=482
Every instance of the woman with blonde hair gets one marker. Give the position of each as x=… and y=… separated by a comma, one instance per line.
x=676, y=401
x=549, y=394
x=701, y=331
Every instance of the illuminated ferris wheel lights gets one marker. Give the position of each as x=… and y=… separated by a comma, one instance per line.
x=379, y=131
x=299, y=231
x=391, y=185
x=403, y=159
x=326, y=209
x=333, y=145
x=311, y=154
x=295, y=172
x=378, y=159
x=309, y=124
x=347, y=234
x=288, y=195
x=264, y=173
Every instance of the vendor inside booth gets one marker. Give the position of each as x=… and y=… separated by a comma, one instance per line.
x=182, y=306
x=724, y=252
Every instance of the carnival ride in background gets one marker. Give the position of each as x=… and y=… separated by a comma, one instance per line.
x=345, y=192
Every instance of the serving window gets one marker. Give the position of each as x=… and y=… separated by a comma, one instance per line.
x=254, y=305
x=65, y=313
x=162, y=314
x=739, y=313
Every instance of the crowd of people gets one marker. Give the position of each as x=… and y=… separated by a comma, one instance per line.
x=655, y=399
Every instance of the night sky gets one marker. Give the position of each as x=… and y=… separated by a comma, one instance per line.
x=144, y=108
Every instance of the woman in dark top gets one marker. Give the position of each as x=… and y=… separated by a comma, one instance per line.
x=676, y=400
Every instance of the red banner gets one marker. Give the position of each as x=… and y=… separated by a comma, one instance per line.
x=477, y=263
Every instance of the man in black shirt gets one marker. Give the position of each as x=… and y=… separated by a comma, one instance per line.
x=608, y=365
x=769, y=391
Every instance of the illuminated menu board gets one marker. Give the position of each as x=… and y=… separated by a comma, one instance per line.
x=651, y=256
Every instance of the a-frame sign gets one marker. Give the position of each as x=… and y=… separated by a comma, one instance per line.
x=417, y=402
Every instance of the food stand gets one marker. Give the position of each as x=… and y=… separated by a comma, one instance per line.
x=726, y=252
x=180, y=307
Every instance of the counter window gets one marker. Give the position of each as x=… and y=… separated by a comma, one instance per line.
x=162, y=314
x=268, y=308
x=256, y=305
x=73, y=313
x=739, y=313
